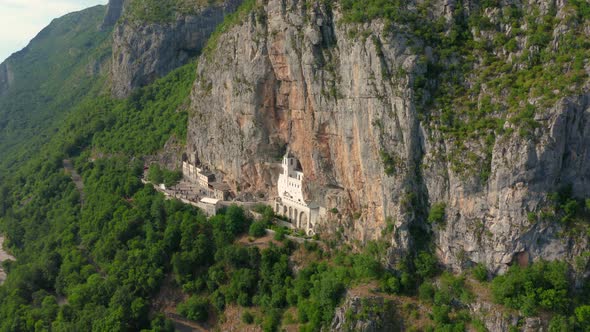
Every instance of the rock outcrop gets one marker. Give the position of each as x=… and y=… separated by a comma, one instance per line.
x=348, y=109
x=497, y=319
x=493, y=223
x=144, y=51
x=373, y=313
x=114, y=12
x=6, y=77
x=366, y=314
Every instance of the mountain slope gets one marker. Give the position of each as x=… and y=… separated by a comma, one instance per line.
x=440, y=136
x=63, y=64
x=155, y=37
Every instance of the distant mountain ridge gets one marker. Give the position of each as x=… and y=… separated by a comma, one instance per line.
x=63, y=64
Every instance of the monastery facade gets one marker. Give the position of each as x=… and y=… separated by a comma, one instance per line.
x=290, y=202
x=196, y=173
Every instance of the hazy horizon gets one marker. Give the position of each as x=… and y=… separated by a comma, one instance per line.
x=22, y=20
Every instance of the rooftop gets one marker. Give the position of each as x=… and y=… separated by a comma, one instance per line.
x=211, y=201
x=220, y=186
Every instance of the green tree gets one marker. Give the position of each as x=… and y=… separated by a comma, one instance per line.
x=195, y=308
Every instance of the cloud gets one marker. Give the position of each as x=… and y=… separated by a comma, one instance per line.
x=21, y=20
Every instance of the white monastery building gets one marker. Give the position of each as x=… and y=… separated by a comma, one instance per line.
x=194, y=172
x=290, y=202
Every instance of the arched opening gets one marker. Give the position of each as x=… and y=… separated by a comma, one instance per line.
x=284, y=211
x=302, y=219
x=295, y=216
x=290, y=213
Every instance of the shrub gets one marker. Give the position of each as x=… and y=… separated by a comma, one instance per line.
x=559, y=324
x=310, y=246
x=366, y=266
x=155, y=174
x=437, y=213
x=583, y=317
x=257, y=229
x=247, y=317
x=426, y=265
x=195, y=308
x=389, y=162
x=440, y=314
x=392, y=285
x=426, y=292
x=271, y=321
x=280, y=233
x=542, y=285
x=480, y=272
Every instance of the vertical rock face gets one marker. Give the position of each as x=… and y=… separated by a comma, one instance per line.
x=6, y=77
x=289, y=75
x=114, y=11
x=492, y=224
x=144, y=51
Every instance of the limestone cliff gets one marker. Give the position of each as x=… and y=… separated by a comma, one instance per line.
x=361, y=311
x=6, y=77
x=144, y=50
x=367, y=314
x=355, y=104
x=114, y=12
x=289, y=76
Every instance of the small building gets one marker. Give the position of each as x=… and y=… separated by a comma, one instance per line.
x=209, y=205
x=290, y=202
x=190, y=171
x=219, y=190
x=205, y=178
x=209, y=184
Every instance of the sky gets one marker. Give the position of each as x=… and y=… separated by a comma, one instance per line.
x=21, y=20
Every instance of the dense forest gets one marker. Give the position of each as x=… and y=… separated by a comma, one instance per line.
x=100, y=259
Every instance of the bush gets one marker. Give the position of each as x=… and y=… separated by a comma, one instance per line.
x=440, y=314
x=247, y=317
x=389, y=162
x=155, y=174
x=280, y=233
x=542, y=285
x=257, y=229
x=426, y=265
x=426, y=292
x=271, y=321
x=559, y=323
x=583, y=317
x=437, y=213
x=365, y=266
x=480, y=272
x=392, y=285
x=195, y=308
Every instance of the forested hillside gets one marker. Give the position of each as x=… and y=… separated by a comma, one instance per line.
x=63, y=65
x=446, y=140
